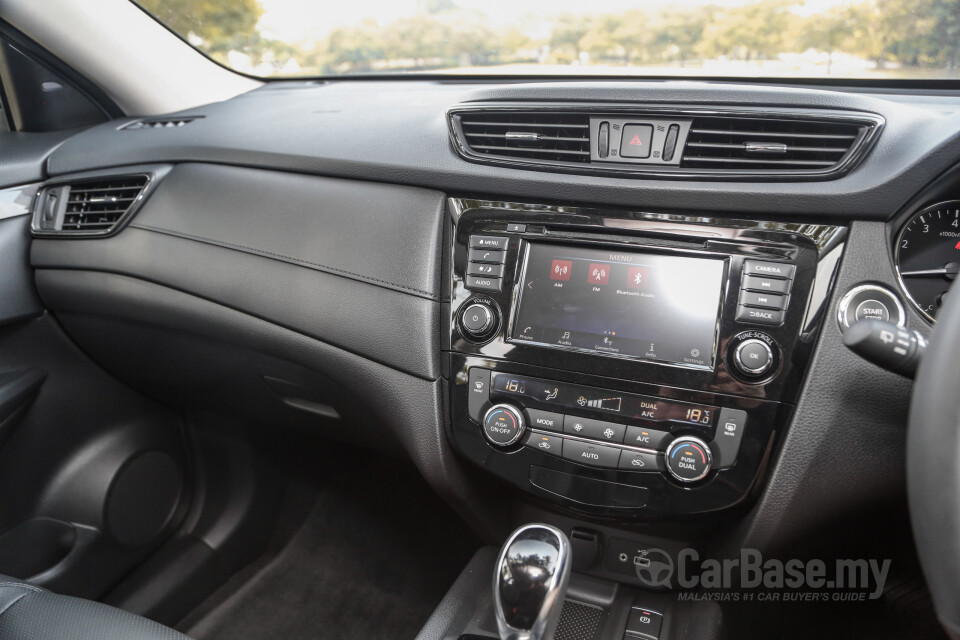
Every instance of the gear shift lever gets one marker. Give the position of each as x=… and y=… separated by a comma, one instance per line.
x=530, y=582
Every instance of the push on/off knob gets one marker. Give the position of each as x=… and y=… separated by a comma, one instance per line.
x=477, y=320
x=503, y=425
x=689, y=459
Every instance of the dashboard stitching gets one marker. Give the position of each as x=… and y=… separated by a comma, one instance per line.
x=279, y=256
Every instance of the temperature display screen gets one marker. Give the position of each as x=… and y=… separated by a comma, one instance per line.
x=636, y=305
x=546, y=393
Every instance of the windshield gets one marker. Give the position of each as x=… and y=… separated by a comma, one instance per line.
x=907, y=39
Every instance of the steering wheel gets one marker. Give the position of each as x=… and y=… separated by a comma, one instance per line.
x=933, y=465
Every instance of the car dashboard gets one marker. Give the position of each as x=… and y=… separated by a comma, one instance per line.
x=616, y=306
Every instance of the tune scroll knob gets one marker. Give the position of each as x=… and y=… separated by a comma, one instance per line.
x=689, y=459
x=753, y=357
x=503, y=425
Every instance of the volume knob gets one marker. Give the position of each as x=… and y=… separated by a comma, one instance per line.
x=478, y=320
x=503, y=425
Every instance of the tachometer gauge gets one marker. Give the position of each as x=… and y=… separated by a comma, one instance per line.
x=928, y=255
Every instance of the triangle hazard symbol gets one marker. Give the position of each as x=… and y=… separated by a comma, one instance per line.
x=636, y=140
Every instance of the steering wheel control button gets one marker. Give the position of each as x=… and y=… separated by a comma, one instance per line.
x=638, y=461
x=780, y=270
x=635, y=141
x=546, y=420
x=870, y=302
x=644, y=623
x=645, y=438
x=478, y=392
x=594, y=455
x=503, y=425
x=545, y=442
x=689, y=459
x=753, y=357
x=477, y=319
x=726, y=442
x=593, y=429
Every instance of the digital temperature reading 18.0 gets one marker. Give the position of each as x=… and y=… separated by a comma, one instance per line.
x=700, y=416
x=515, y=386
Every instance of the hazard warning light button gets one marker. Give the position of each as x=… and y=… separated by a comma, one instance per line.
x=635, y=141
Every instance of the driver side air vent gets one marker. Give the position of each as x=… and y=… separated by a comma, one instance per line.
x=88, y=208
x=768, y=144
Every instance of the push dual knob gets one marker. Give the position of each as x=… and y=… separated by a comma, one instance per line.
x=503, y=425
x=689, y=459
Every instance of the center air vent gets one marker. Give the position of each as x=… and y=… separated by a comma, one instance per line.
x=551, y=137
x=693, y=142
x=739, y=143
x=89, y=207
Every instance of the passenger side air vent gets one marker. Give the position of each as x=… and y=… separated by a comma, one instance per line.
x=541, y=136
x=739, y=143
x=89, y=207
x=160, y=123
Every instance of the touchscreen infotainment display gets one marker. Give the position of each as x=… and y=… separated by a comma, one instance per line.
x=625, y=304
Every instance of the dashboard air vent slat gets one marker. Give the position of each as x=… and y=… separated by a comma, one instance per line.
x=550, y=136
x=751, y=143
x=160, y=123
x=99, y=205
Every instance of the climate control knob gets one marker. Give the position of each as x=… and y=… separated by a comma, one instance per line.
x=503, y=425
x=689, y=459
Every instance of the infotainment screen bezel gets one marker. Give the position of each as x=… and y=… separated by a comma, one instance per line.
x=521, y=278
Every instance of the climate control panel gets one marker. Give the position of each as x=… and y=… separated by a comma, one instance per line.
x=603, y=449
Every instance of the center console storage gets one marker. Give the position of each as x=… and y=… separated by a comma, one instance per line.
x=629, y=364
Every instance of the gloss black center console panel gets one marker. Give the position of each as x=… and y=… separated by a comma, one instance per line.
x=629, y=364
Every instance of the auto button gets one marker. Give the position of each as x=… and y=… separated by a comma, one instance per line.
x=595, y=455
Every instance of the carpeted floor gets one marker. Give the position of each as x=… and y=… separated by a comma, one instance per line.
x=372, y=560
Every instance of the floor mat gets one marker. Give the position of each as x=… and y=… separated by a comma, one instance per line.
x=374, y=557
